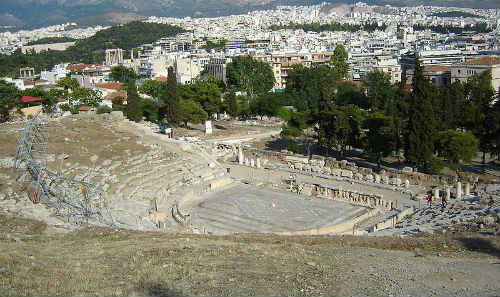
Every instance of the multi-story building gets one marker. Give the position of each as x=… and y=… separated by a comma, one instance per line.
x=217, y=67
x=389, y=65
x=463, y=71
x=438, y=74
x=283, y=62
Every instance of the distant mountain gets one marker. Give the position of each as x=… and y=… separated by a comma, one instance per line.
x=38, y=13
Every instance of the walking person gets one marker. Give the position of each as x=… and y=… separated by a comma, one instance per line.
x=429, y=199
x=443, y=202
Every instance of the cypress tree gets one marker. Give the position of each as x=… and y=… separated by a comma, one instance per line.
x=421, y=132
x=232, y=104
x=173, y=107
x=134, y=111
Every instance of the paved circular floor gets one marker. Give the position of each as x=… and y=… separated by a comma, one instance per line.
x=246, y=208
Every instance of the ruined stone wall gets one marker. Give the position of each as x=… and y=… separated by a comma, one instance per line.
x=361, y=199
x=345, y=169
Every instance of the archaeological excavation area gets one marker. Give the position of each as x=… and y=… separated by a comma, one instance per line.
x=108, y=171
x=101, y=204
x=246, y=208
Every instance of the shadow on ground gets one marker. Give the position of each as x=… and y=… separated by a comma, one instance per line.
x=157, y=289
x=479, y=245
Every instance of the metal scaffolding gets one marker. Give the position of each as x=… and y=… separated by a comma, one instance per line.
x=73, y=200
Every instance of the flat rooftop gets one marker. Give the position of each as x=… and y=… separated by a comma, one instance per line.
x=246, y=208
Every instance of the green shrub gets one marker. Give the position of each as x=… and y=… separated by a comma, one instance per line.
x=103, y=109
x=294, y=147
x=285, y=114
x=435, y=165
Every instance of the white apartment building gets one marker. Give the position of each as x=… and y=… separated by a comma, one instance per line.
x=463, y=71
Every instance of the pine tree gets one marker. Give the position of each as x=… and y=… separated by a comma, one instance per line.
x=421, y=131
x=134, y=111
x=173, y=108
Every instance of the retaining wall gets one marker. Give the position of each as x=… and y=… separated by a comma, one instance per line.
x=352, y=197
x=390, y=222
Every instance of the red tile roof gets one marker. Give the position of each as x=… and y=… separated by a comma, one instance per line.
x=161, y=78
x=436, y=68
x=483, y=61
x=61, y=100
x=84, y=108
x=112, y=86
x=81, y=66
x=28, y=99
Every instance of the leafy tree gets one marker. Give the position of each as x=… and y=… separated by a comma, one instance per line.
x=68, y=84
x=152, y=88
x=217, y=46
x=250, y=75
x=33, y=92
x=380, y=90
x=8, y=102
x=51, y=40
x=134, y=110
x=381, y=135
x=285, y=114
x=192, y=112
x=315, y=86
x=299, y=121
x=421, y=131
x=457, y=146
x=339, y=62
x=149, y=109
x=50, y=98
x=122, y=74
x=243, y=106
x=334, y=129
x=231, y=103
x=480, y=93
x=451, y=107
x=349, y=93
x=265, y=105
x=317, y=27
x=339, y=127
x=204, y=92
x=494, y=119
x=85, y=97
x=397, y=109
x=209, y=96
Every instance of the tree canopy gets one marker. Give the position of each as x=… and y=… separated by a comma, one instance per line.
x=457, y=146
x=421, y=130
x=339, y=62
x=122, y=74
x=192, y=112
x=250, y=75
x=134, y=110
x=8, y=93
